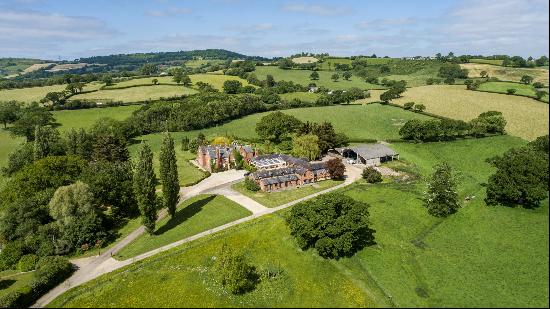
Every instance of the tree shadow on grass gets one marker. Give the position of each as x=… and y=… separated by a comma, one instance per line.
x=4, y=284
x=183, y=214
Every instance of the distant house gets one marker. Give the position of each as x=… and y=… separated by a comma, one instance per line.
x=313, y=89
x=220, y=157
x=279, y=171
x=367, y=154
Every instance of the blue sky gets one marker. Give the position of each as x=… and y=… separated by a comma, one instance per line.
x=52, y=29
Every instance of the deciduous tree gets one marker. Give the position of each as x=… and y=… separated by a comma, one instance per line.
x=441, y=197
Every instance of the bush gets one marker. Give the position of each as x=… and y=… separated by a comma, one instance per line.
x=50, y=271
x=235, y=273
x=538, y=85
x=371, y=175
x=408, y=105
x=336, y=168
x=27, y=262
x=10, y=255
x=419, y=108
x=251, y=185
x=510, y=91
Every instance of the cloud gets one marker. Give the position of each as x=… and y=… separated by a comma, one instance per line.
x=316, y=9
x=385, y=24
x=174, y=11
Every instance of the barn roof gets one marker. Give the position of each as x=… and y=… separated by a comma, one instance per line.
x=373, y=151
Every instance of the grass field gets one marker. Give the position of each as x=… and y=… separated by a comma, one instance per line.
x=329, y=63
x=526, y=117
x=373, y=121
x=195, y=215
x=506, y=73
x=302, y=77
x=274, y=199
x=302, y=60
x=198, y=62
x=187, y=173
x=85, y=118
x=35, y=94
x=136, y=94
x=215, y=80
x=487, y=61
x=480, y=257
x=12, y=282
x=8, y=143
x=304, y=96
x=501, y=87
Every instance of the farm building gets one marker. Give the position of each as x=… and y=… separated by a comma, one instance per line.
x=220, y=157
x=279, y=171
x=367, y=154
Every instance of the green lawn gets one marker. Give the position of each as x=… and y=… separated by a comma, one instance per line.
x=480, y=257
x=10, y=282
x=85, y=118
x=195, y=215
x=303, y=96
x=372, y=121
x=502, y=87
x=274, y=199
x=302, y=77
x=187, y=172
x=135, y=94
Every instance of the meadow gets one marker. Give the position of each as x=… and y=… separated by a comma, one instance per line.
x=85, y=118
x=417, y=261
x=487, y=61
x=506, y=73
x=302, y=60
x=303, y=96
x=213, y=79
x=526, y=118
x=35, y=94
x=502, y=87
x=197, y=214
x=274, y=199
x=302, y=77
x=135, y=94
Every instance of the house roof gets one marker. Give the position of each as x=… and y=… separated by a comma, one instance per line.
x=279, y=179
x=373, y=151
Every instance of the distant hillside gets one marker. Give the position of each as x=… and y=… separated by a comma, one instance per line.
x=164, y=57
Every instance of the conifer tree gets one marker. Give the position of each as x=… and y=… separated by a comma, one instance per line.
x=144, y=188
x=169, y=174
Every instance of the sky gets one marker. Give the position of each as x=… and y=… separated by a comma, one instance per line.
x=70, y=29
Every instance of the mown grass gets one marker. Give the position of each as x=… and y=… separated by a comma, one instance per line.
x=35, y=94
x=526, y=118
x=85, y=118
x=506, y=73
x=193, y=216
x=502, y=87
x=12, y=282
x=302, y=77
x=135, y=94
x=487, y=61
x=274, y=199
x=479, y=257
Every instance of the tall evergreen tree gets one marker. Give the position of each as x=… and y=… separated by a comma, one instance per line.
x=144, y=188
x=441, y=196
x=169, y=174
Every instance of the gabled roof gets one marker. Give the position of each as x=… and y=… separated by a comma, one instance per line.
x=373, y=151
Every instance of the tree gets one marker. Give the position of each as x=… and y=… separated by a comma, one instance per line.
x=441, y=197
x=489, y=122
x=543, y=60
x=336, y=168
x=371, y=175
x=510, y=91
x=108, y=80
x=186, y=80
x=108, y=147
x=521, y=178
x=526, y=79
x=306, y=146
x=334, y=224
x=408, y=105
x=251, y=185
x=47, y=142
x=155, y=81
x=234, y=272
x=79, y=143
x=144, y=188
x=314, y=75
x=31, y=117
x=9, y=112
x=450, y=70
x=335, y=77
x=19, y=158
x=276, y=125
x=169, y=174
x=54, y=97
x=76, y=216
x=347, y=75
x=177, y=75
x=384, y=69
x=484, y=74
x=419, y=108
x=185, y=143
x=540, y=94
x=149, y=69
x=232, y=86
x=270, y=81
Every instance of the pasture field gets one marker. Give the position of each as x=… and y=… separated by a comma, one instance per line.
x=193, y=216
x=135, y=94
x=187, y=173
x=303, y=96
x=506, y=73
x=302, y=60
x=85, y=118
x=501, y=87
x=35, y=94
x=372, y=121
x=8, y=143
x=526, y=118
x=487, y=61
x=141, y=81
x=215, y=80
x=417, y=261
x=274, y=199
x=302, y=77
x=329, y=63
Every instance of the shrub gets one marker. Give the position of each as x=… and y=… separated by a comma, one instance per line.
x=419, y=108
x=408, y=105
x=449, y=81
x=50, y=271
x=538, y=85
x=235, y=273
x=336, y=168
x=10, y=255
x=371, y=175
x=334, y=224
x=251, y=185
x=27, y=262
x=510, y=91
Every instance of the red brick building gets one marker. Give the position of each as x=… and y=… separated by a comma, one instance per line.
x=215, y=158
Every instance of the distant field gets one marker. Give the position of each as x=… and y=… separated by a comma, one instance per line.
x=85, y=118
x=526, y=117
x=302, y=77
x=215, y=80
x=304, y=96
x=506, y=73
x=502, y=87
x=329, y=63
x=302, y=60
x=136, y=94
x=193, y=216
x=35, y=94
x=197, y=63
x=487, y=61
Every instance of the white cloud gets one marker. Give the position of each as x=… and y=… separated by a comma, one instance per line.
x=384, y=24
x=316, y=9
x=174, y=11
